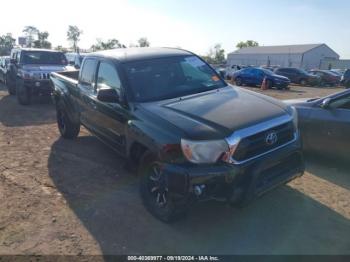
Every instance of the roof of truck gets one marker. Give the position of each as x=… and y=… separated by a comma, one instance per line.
x=37, y=49
x=140, y=53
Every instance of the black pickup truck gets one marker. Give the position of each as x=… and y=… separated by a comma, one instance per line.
x=191, y=135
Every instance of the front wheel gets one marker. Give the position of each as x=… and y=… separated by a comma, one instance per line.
x=269, y=84
x=68, y=129
x=10, y=86
x=23, y=93
x=155, y=193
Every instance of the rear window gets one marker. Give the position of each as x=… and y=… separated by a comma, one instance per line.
x=43, y=58
x=88, y=72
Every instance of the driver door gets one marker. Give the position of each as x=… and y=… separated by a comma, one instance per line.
x=111, y=117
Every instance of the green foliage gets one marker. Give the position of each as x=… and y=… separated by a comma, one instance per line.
x=216, y=55
x=42, y=40
x=7, y=42
x=73, y=35
x=248, y=43
x=105, y=45
x=61, y=48
x=143, y=42
x=30, y=32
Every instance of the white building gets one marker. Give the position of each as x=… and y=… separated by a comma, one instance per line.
x=303, y=56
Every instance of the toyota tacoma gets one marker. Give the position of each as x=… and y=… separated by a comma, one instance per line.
x=192, y=136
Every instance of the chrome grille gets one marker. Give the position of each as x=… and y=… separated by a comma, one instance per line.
x=45, y=76
x=252, y=142
x=256, y=144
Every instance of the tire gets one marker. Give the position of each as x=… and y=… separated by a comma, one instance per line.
x=303, y=82
x=23, y=93
x=269, y=84
x=238, y=81
x=155, y=194
x=68, y=129
x=10, y=86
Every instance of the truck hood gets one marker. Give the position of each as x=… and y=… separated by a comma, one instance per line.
x=216, y=114
x=301, y=101
x=46, y=68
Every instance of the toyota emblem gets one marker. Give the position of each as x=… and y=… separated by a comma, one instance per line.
x=271, y=138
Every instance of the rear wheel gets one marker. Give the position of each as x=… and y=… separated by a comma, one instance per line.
x=303, y=82
x=238, y=81
x=22, y=92
x=68, y=129
x=155, y=193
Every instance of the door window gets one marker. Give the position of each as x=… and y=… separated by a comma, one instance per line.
x=108, y=76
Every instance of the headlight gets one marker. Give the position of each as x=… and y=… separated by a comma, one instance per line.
x=203, y=152
x=25, y=74
x=294, y=114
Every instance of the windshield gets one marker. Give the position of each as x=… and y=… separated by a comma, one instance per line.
x=43, y=58
x=303, y=71
x=173, y=77
x=267, y=72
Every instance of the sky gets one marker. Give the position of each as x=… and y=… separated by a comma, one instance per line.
x=190, y=24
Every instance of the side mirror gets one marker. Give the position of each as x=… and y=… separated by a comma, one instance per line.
x=325, y=103
x=108, y=95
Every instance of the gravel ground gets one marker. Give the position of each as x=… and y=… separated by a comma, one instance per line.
x=75, y=197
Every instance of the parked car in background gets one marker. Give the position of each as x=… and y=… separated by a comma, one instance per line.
x=230, y=70
x=327, y=77
x=325, y=124
x=271, y=68
x=29, y=72
x=192, y=136
x=345, y=79
x=75, y=59
x=298, y=76
x=4, y=62
x=339, y=72
x=221, y=71
x=255, y=76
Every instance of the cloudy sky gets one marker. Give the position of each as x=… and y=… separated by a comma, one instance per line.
x=195, y=25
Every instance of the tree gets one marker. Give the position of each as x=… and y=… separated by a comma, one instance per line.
x=42, y=40
x=143, y=42
x=61, y=48
x=109, y=44
x=216, y=55
x=7, y=42
x=248, y=43
x=73, y=35
x=31, y=32
x=219, y=54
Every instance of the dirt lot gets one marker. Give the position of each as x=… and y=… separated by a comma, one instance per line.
x=75, y=197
